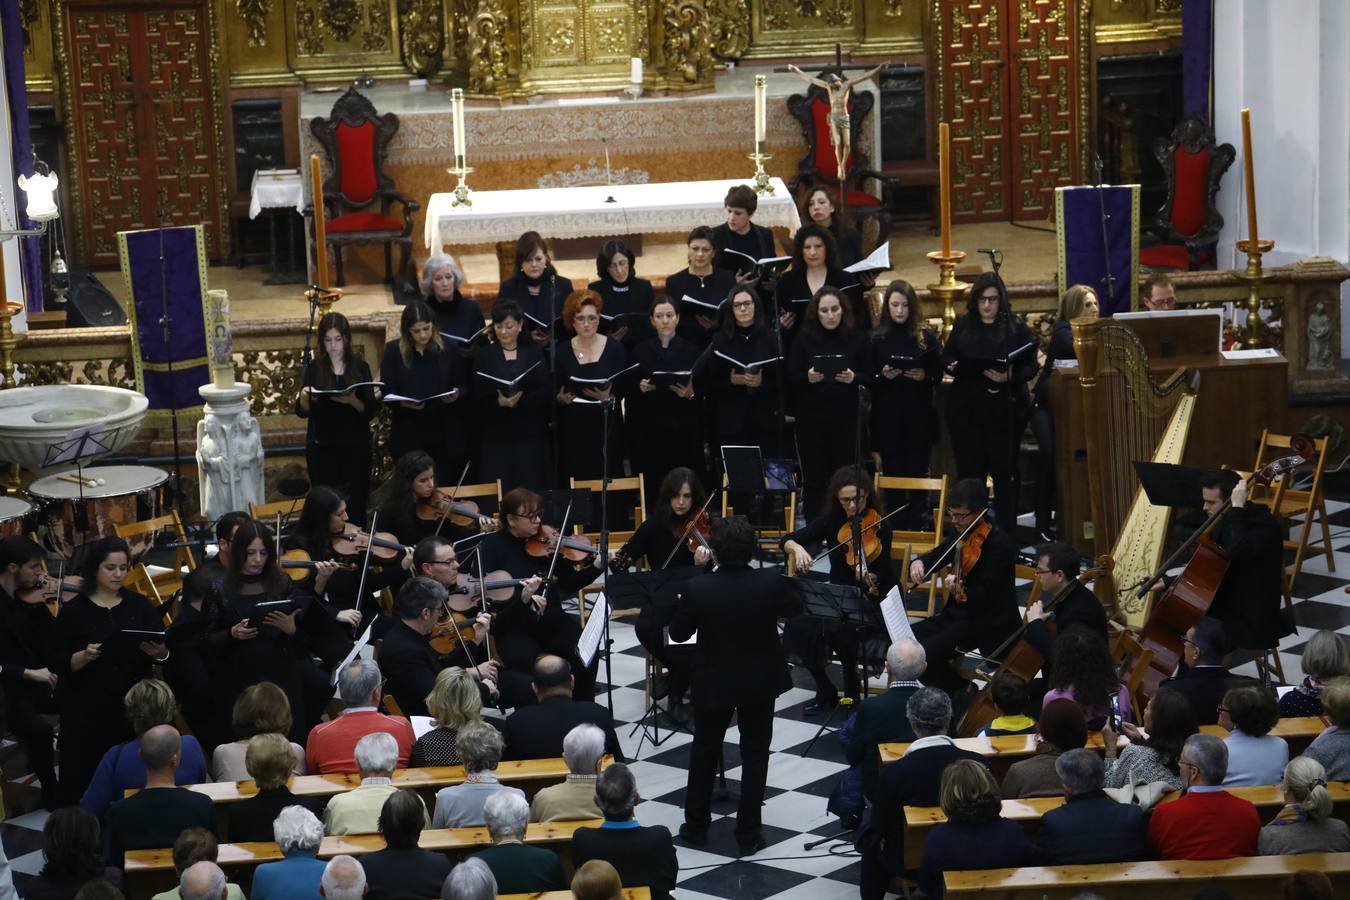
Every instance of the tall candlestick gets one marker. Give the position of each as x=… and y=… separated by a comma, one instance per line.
x=1249, y=172
x=761, y=112
x=945, y=185
x=457, y=107
x=320, y=229
x=635, y=70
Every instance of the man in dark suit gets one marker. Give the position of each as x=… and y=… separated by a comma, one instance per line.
x=537, y=731
x=1090, y=827
x=739, y=668
x=29, y=685
x=643, y=856
x=1062, y=602
x=154, y=817
x=881, y=718
x=402, y=869
x=1248, y=599
x=1203, y=678
x=911, y=781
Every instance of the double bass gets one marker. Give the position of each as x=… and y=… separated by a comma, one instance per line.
x=1187, y=599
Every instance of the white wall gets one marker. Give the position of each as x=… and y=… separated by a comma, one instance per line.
x=1287, y=62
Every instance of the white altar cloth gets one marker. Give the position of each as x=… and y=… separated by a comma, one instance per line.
x=584, y=211
x=276, y=189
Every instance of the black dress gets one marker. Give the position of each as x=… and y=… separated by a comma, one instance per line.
x=519, y=632
x=436, y=428
x=459, y=321
x=904, y=415
x=1042, y=423
x=337, y=437
x=192, y=671
x=793, y=294
x=514, y=445
x=581, y=423
x=93, y=717
x=665, y=426
x=827, y=411
x=541, y=299
x=25, y=631
x=632, y=299
x=742, y=415
x=985, y=418
x=710, y=289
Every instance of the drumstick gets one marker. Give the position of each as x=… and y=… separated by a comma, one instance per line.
x=75, y=479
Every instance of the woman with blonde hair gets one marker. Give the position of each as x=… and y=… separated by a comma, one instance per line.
x=454, y=702
x=1305, y=824
x=975, y=835
x=270, y=761
x=597, y=880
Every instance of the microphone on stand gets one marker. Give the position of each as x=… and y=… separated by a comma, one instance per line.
x=609, y=182
x=995, y=257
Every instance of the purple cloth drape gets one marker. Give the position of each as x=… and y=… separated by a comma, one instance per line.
x=1197, y=57
x=21, y=146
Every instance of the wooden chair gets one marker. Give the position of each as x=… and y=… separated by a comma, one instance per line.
x=162, y=583
x=636, y=486
x=1189, y=222
x=1287, y=502
x=1125, y=646
x=905, y=545
x=268, y=512
x=487, y=495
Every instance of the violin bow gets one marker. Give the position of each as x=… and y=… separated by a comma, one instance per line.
x=365, y=563
x=689, y=528
x=960, y=539
x=445, y=512
x=861, y=531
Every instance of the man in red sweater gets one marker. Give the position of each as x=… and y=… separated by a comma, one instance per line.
x=1207, y=822
x=332, y=745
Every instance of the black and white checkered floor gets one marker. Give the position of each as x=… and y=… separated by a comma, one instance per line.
x=794, y=809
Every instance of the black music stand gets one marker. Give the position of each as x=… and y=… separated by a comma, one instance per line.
x=749, y=474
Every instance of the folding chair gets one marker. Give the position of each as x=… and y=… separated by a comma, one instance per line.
x=487, y=495
x=1126, y=646
x=636, y=485
x=268, y=512
x=905, y=545
x=1287, y=503
x=140, y=536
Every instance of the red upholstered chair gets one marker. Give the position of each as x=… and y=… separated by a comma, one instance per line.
x=358, y=195
x=1188, y=224
x=819, y=166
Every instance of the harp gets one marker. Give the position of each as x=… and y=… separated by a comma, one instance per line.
x=1129, y=415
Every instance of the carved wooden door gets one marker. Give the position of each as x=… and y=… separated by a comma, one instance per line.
x=1012, y=81
x=142, y=104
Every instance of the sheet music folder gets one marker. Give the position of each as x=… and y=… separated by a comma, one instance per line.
x=831, y=602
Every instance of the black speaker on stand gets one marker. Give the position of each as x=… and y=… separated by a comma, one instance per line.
x=90, y=305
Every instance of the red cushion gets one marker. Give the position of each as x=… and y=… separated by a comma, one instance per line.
x=861, y=199
x=1165, y=256
x=356, y=156
x=364, y=221
x=820, y=113
x=1191, y=171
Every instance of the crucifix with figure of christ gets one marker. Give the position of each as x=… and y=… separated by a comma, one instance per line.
x=839, y=89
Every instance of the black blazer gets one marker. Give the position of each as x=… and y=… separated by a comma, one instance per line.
x=1204, y=686
x=990, y=589
x=881, y=719
x=911, y=781
x=403, y=874
x=410, y=667
x=537, y=732
x=1080, y=608
x=1248, y=599
x=251, y=819
x=738, y=658
x=1090, y=829
x=643, y=856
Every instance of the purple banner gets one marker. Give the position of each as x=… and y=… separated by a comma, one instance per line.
x=171, y=370
x=1197, y=57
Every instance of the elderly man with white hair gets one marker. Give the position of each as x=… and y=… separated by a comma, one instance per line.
x=343, y=879
x=298, y=833
x=358, y=810
x=470, y=880
x=584, y=753
x=881, y=718
x=461, y=805
x=331, y=745
x=518, y=868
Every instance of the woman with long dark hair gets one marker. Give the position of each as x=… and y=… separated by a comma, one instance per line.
x=626, y=297
x=1154, y=752
x=104, y=641
x=420, y=367
x=407, y=502
x=743, y=373
x=820, y=208
x=827, y=405
x=512, y=392
x=992, y=355
x=537, y=287
x=1082, y=671
x=815, y=266
x=663, y=413
x=700, y=288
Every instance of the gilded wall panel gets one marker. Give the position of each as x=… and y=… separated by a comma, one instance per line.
x=804, y=27
x=255, y=42
x=893, y=26
x=39, y=58
x=340, y=39
x=1120, y=21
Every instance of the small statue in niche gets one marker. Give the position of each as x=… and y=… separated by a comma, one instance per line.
x=1319, y=357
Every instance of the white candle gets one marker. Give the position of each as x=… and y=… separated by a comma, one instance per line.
x=457, y=107
x=635, y=75
x=761, y=113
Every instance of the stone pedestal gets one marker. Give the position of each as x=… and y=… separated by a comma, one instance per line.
x=229, y=451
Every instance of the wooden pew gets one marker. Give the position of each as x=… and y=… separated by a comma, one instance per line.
x=1297, y=732
x=633, y=893
x=151, y=871
x=1246, y=878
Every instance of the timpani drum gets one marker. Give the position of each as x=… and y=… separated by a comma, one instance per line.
x=14, y=516
x=79, y=506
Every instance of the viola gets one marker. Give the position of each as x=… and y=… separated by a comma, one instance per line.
x=297, y=563
x=384, y=545
x=497, y=588
x=458, y=625
x=968, y=556
x=546, y=541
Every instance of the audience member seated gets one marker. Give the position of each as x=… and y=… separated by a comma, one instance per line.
x=149, y=703
x=343, y=879
x=537, y=731
x=881, y=718
x=330, y=745
x=597, y=880
x=203, y=880
x=643, y=855
x=262, y=708
x=583, y=751
x=1304, y=824
x=1255, y=756
x=1324, y=657
x=358, y=811
x=461, y=805
x=72, y=856
x=518, y=868
x=1332, y=747
x=402, y=869
x=454, y=702
x=975, y=835
x=1168, y=721
x=298, y=833
x=1084, y=673
x=910, y=781
x=470, y=880
x=1306, y=884
x=1207, y=822
x=1090, y=827
x=154, y=816
x=1062, y=728
x=1010, y=696
x=193, y=846
x=269, y=761
x=1203, y=679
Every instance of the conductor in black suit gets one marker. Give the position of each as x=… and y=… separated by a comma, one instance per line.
x=739, y=668
x=537, y=732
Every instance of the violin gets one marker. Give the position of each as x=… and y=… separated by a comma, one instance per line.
x=444, y=638
x=461, y=513
x=384, y=545
x=695, y=531
x=49, y=589
x=546, y=541
x=968, y=555
x=496, y=588
x=297, y=563
x=862, y=546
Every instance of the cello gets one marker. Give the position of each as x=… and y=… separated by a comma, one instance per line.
x=1187, y=599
